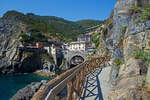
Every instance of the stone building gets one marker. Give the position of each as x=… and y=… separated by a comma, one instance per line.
x=75, y=46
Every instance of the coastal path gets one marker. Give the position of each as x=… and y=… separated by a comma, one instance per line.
x=71, y=84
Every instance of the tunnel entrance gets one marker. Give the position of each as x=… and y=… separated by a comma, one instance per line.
x=76, y=60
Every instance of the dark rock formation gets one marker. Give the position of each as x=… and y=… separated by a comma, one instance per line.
x=9, y=32
x=27, y=92
x=13, y=59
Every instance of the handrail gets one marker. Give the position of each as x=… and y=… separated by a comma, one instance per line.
x=54, y=82
x=63, y=83
x=57, y=84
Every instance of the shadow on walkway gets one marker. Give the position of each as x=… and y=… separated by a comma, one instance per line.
x=92, y=88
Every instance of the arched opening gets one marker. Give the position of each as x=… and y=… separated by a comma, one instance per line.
x=76, y=60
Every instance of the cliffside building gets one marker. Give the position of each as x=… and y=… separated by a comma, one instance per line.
x=75, y=46
x=85, y=38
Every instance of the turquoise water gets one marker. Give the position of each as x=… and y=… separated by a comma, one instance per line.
x=10, y=84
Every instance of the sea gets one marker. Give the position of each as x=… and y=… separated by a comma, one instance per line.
x=10, y=84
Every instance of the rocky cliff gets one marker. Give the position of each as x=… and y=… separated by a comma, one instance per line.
x=9, y=31
x=27, y=92
x=12, y=59
x=126, y=37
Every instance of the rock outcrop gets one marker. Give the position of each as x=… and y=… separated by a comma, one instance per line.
x=148, y=79
x=123, y=36
x=27, y=92
x=9, y=31
x=13, y=59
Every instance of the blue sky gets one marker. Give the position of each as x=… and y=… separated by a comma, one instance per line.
x=69, y=9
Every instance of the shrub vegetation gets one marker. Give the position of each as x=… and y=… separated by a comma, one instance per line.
x=141, y=54
x=54, y=26
x=144, y=12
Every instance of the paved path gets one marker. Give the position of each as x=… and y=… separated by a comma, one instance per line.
x=96, y=86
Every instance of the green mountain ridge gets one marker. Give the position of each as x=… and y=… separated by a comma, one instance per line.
x=89, y=23
x=51, y=25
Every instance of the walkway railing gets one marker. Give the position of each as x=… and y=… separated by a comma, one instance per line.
x=73, y=79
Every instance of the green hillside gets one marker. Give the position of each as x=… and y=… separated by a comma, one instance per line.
x=89, y=23
x=51, y=25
